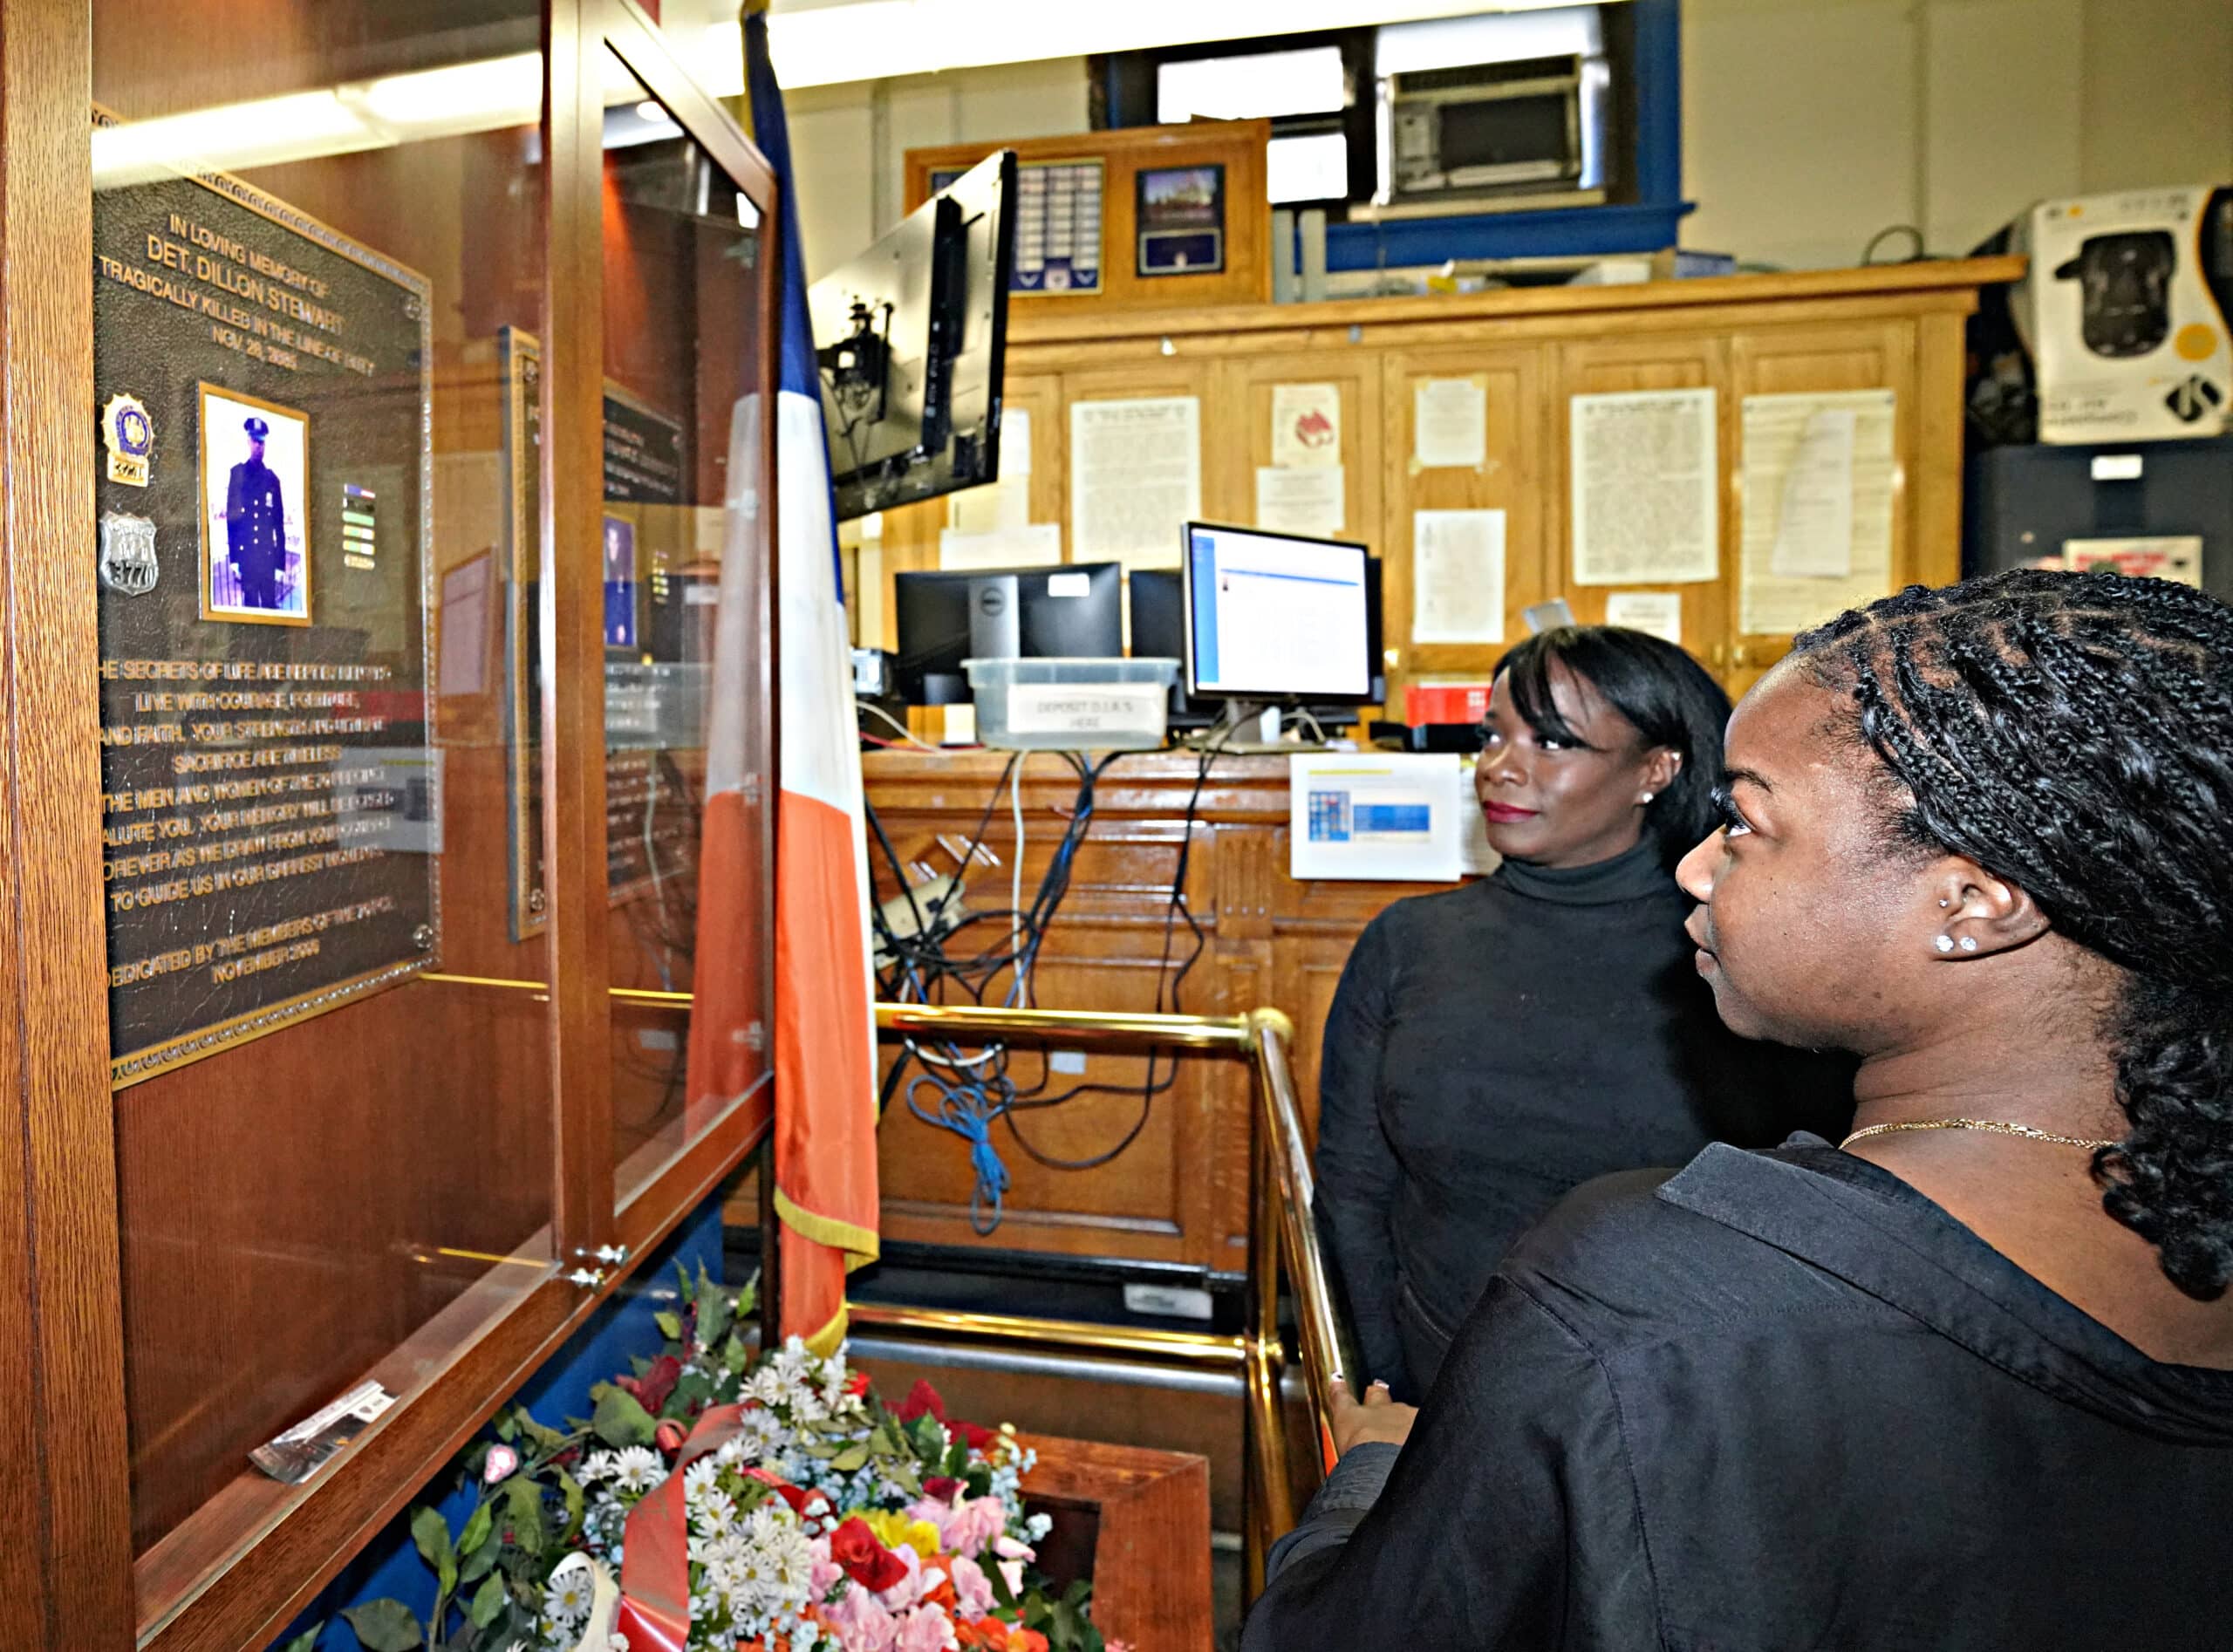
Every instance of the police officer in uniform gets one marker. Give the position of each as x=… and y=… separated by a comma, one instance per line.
x=255, y=523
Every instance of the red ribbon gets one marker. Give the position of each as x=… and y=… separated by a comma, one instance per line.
x=655, y=1570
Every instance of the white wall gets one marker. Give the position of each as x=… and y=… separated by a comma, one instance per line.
x=849, y=143
x=1809, y=124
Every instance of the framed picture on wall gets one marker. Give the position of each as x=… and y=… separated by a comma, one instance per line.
x=255, y=535
x=1181, y=221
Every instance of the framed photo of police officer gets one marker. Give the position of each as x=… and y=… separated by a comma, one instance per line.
x=256, y=543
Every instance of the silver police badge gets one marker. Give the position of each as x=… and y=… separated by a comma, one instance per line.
x=128, y=562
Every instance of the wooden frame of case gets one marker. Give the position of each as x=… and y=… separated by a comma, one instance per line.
x=61, y=1328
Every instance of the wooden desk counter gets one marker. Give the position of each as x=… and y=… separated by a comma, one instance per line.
x=1179, y=1192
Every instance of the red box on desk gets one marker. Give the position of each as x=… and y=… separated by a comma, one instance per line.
x=1446, y=703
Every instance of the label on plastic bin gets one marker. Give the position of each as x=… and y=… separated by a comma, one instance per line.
x=1086, y=709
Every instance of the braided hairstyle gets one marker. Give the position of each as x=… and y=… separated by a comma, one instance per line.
x=2073, y=734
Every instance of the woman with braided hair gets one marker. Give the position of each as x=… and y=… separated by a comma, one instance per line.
x=1966, y=1380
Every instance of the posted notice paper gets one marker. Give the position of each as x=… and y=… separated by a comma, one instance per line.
x=2165, y=556
x=1136, y=479
x=1306, y=426
x=1300, y=502
x=1659, y=612
x=1006, y=503
x=1449, y=424
x=1375, y=815
x=1039, y=545
x=1645, y=480
x=1815, y=487
x=1457, y=576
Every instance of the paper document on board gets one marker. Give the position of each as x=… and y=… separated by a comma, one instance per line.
x=1659, y=612
x=1300, y=502
x=1839, y=525
x=1645, y=480
x=1136, y=479
x=1375, y=815
x=1306, y=426
x=1039, y=545
x=1457, y=576
x=1449, y=421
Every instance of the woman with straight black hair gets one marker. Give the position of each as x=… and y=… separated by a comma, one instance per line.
x=1493, y=1047
x=1966, y=1381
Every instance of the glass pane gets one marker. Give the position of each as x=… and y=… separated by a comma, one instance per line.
x=317, y=262
x=683, y=565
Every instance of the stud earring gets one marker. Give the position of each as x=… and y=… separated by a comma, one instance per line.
x=1647, y=796
x=1968, y=943
x=1946, y=902
x=1945, y=943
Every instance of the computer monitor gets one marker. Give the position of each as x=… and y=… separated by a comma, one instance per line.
x=1074, y=611
x=909, y=337
x=1159, y=626
x=1276, y=618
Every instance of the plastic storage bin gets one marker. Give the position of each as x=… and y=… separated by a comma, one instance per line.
x=1071, y=704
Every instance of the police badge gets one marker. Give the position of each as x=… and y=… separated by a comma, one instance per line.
x=128, y=562
x=130, y=437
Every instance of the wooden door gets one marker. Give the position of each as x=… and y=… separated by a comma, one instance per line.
x=1616, y=366
x=1818, y=358
x=1509, y=478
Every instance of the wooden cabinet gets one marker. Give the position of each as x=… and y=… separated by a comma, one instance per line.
x=1895, y=329
x=1177, y=1190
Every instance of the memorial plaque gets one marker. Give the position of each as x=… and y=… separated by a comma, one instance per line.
x=651, y=807
x=270, y=790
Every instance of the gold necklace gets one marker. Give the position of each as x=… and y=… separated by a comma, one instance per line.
x=1998, y=1127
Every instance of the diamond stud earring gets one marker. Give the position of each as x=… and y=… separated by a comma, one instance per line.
x=1945, y=943
x=1968, y=943
x=1647, y=796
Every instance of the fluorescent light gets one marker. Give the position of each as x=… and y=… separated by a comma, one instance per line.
x=486, y=96
x=295, y=127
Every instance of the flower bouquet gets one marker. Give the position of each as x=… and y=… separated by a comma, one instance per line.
x=718, y=1502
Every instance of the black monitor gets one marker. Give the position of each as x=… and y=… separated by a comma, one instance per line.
x=1159, y=632
x=1074, y=611
x=909, y=339
x=1276, y=618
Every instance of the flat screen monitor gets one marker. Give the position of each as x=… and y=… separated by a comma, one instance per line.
x=1276, y=616
x=1075, y=612
x=909, y=340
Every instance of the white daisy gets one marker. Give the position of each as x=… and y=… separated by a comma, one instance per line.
x=596, y=1466
x=701, y=1477
x=712, y=1511
x=638, y=1468
x=566, y=1600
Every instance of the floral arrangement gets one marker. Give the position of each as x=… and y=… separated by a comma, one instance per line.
x=778, y=1496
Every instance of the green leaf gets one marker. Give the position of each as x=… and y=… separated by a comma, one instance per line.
x=670, y=1324
x=819, y=1448
x=507, y=1428
x=621, y=1418
x=487, y=1603
x=570, y=1489
x=477, y=1528
x=716, y=1310
x=747, y=1299
x=692, y=1388
x=525, y=1499
x=957, y=1458
x=851, y=1459
x=384, y=1626
x=432, y=1533
x=480, y=1563
x=306, y=1641
x=544, y=1439
x=1002, y=1595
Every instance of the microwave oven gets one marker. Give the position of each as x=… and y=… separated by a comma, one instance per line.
x=1482, y=130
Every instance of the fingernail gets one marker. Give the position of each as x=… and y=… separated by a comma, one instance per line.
x=1376, y=1383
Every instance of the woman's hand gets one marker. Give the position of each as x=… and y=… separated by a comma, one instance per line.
x=1374, y=1417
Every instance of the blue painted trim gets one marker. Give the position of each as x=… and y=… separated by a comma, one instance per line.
x=1566, y=232
x=1658, y=70
x=559, y=1389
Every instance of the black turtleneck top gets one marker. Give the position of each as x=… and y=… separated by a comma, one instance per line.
x=1493, y=1047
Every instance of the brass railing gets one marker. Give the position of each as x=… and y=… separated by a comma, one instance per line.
x=1282, y=1239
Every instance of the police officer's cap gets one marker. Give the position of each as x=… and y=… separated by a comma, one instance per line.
x=257, y=429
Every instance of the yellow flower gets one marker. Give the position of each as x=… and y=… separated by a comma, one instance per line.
x=892, y=1527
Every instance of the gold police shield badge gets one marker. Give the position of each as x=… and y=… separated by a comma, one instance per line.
x=129, y=434
x=127, y=561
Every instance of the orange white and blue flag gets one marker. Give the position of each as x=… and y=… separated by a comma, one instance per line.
x=825, y=1032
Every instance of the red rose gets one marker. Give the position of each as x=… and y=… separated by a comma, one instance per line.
x=653, y=1388
x=865, y=1561
x=921, y=1399
x=979, y=1439
x=942, y=1487
x=857, y=1383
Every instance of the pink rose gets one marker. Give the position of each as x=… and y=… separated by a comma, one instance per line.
x=973, y=1590
x=1012, y=1571
x=925, y=1630
x=860, y=1621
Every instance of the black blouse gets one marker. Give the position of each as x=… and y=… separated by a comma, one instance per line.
x=1779, y=1400
x=1493, y=1047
